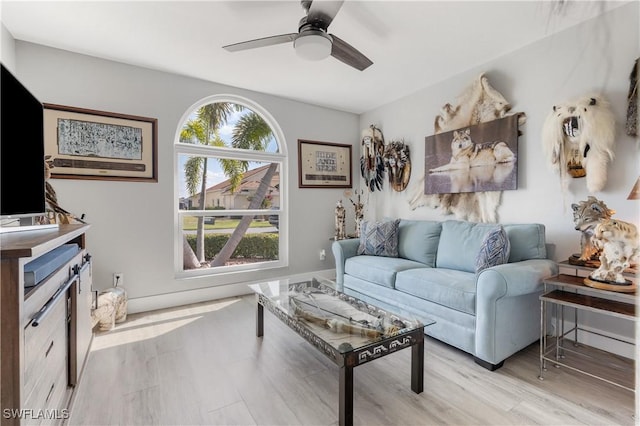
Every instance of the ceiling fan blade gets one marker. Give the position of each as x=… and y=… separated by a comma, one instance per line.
x=322, y=12
x=260, y=42
x=348, y=54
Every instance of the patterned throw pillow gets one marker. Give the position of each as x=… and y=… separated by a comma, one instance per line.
x=494, y=250
x=379, y=238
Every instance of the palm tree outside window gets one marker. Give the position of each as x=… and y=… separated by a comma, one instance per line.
x=229, y=164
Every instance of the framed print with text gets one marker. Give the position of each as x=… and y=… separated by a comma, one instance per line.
x=89, y=144
x=323, y=165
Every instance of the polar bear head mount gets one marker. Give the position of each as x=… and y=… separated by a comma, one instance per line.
x=578, y=138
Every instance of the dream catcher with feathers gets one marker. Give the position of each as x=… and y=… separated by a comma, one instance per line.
x=372, y=159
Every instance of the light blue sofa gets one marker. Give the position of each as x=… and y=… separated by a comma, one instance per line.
x=491, y=314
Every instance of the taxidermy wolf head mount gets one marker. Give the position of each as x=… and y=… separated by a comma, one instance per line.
x=578, y=138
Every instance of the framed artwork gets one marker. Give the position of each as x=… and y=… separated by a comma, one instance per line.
x=324, y=165
x=478, y=158
x=88, y=144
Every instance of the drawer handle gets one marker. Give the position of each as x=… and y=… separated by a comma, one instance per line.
x=44, y=311
x=50, y=392
x=46, y=354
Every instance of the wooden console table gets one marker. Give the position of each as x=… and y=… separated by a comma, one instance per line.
x=569, y=291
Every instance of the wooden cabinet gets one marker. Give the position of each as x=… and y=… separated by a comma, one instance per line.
x=46, y=330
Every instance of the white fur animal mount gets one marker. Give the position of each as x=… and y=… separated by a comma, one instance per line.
x=578, y=138
x=479, y=103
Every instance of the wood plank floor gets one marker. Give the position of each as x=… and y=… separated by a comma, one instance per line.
x=202, y=364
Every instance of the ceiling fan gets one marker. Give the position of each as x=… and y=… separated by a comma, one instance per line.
x=312, y=40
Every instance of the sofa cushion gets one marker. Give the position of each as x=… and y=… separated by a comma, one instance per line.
x=494, y=250
x=527, y=241
x=418, y=240
x=460, y=243
x=378, y=270
x=446, y=287
x=379, y=238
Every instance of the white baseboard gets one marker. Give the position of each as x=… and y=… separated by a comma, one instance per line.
x=171, y=300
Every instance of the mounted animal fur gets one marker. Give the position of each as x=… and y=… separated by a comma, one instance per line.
x=479, y=103
x=578, y=138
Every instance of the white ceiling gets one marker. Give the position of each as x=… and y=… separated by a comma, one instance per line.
x=413, y=44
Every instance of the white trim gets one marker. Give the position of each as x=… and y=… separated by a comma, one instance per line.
x=171, y=300
x=229, y=153
x=229, y=270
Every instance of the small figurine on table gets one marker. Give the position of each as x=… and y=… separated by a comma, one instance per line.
x=620, y=248
x=359, y=213
x=340, y=221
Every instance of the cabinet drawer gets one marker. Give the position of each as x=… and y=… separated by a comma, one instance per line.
x=45, y=346
x=49, y=400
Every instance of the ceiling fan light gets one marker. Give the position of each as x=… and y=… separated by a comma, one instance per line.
x=313, y=47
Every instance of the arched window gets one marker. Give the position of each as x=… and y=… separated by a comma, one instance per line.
x=230, y=179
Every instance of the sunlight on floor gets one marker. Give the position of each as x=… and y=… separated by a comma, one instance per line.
x=149, y=325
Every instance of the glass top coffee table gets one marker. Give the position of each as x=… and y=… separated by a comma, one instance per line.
x=348, y=331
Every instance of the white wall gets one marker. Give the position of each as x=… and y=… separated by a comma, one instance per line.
x=132, y=223
x=595, y=56
x=7, y=48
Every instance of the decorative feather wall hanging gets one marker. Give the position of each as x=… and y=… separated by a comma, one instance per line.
x=632, y=98
x=371, y=161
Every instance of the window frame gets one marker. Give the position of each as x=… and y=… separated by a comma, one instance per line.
x=279, y=157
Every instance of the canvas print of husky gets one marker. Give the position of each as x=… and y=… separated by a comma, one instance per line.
x=473, y=159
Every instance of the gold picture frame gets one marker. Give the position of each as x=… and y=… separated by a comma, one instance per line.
x=98, y=145
x=324, y=165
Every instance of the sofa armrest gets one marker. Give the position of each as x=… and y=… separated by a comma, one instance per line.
x=514, y=279
x=342, y=250
x=508, y=307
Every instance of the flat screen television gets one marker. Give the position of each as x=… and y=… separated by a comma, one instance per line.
x=22, y=175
